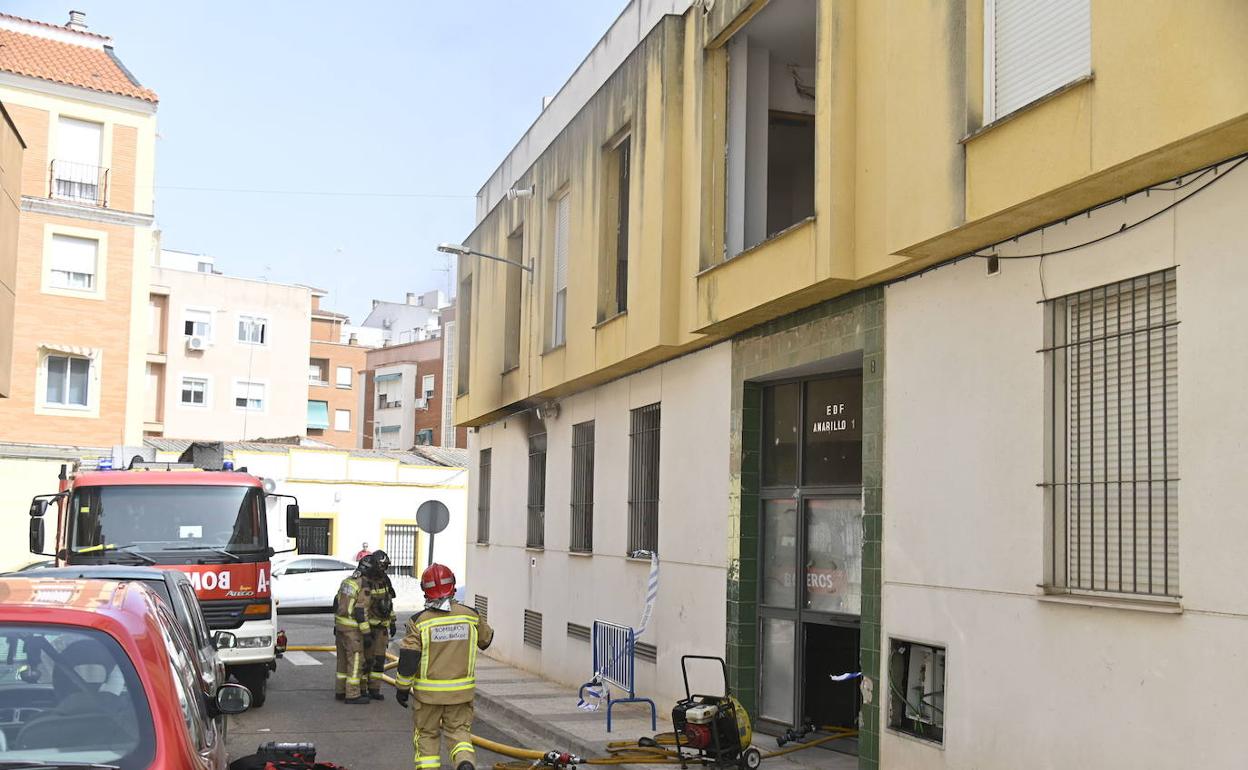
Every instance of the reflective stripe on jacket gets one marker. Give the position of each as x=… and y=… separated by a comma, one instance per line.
x=352, y=595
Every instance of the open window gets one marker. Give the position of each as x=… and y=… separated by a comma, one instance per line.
x=916, y=677
x=771, y=124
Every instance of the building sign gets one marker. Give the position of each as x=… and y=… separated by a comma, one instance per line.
x=833, y=431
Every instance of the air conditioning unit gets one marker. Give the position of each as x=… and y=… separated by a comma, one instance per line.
x=196, y=342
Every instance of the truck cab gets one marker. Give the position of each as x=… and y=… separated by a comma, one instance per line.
x=211, y=525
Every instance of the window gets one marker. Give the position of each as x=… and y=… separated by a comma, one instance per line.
x=76, y=171
x=318, y=371
x=343, y=376
x=73, y=262
x=916, y=676
x=249, y=395
x=194, y=391
x=342, y=419
x=483, y=496
x=196, y=323
x=613, y=270
x=68, y=380
x=389, y=390
x=464, y=312
x=559, y=316
x=536, y=531
x=427, y=385
x=424, y=437
x=1032, y=49
x=511, y=302
x=318, y=415
x=582, y=487
x=1112, y=360
x=251, y=329
x=643, y=480
x=769, y=130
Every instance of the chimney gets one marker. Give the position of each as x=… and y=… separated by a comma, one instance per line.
x=77, y=21
x=376, y=302
x=411, y=299
x=353, y=339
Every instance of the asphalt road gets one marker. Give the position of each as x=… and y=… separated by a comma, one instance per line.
x=301, y=707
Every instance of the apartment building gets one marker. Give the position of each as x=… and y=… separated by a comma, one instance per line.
x=335, y=378
x=85, y=237
x=754, y=228
x=417, y=318
x=11, y=148
x=225, y=355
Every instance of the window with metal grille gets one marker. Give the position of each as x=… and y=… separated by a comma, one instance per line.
x=533, y=629
x=400, y=544
x=643, y=480
x=482, y=606
x=315, y=536
x=535, y=536
x=1112, y=360
x=582, y=540
x=483, y=496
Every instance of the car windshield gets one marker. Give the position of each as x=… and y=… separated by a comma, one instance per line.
x=167, y=517
x=70, y=695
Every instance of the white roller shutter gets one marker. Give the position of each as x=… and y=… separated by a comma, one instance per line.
x=1034, y=47
x=79, y=141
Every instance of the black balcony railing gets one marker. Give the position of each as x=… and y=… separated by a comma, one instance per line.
x=78, y=182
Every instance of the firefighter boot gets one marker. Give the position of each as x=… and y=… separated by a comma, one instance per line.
x=359, y=700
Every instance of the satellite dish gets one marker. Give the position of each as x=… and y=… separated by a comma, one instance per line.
x=432, y=516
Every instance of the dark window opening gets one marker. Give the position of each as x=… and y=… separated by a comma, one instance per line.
x=464, y=312
x=535, y=536
x=582, y=540
x=916, y=696
x=613, y=270
x=483, y=496
x=511, y=327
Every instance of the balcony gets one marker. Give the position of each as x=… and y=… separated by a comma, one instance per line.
x=78, y=182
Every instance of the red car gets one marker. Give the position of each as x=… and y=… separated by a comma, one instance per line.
x=98, y=674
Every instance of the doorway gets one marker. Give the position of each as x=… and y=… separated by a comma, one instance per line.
x=314, y=536
x=810, y=552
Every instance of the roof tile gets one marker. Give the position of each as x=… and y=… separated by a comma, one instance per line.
x=68, y=64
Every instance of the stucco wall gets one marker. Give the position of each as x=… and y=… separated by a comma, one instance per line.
x=20, y=480
x=1033, y=683
x=281, y=363
x=689, y=615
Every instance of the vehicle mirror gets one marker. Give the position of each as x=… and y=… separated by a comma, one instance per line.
x=233, y=698
x=224, y=640
x=292, y=519
x=38, y=507
x=36, y=535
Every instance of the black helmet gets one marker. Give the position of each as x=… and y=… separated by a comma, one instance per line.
x=378, y=563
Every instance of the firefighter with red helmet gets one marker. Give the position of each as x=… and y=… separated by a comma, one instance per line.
x=353, y=635
x=382, y=620
x=437, y=662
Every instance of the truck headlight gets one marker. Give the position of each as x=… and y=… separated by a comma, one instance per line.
x=253, y=641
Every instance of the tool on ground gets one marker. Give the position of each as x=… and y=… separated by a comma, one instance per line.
x=716, y=727
x=283, y=756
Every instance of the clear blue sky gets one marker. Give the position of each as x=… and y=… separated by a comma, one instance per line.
x=415, y=97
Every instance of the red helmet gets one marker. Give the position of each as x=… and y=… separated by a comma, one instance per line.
x=438, y=582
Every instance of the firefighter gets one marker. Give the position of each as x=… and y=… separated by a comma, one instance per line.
x=437, y=660
x=353, y=635
x=381, y=618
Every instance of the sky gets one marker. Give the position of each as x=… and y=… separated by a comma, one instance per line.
x=375, y=122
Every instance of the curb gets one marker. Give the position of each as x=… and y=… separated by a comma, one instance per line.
x=559, y=738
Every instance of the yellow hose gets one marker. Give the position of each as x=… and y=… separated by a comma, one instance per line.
x=621, y=752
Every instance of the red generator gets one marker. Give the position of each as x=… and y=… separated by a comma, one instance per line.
x=716, y=727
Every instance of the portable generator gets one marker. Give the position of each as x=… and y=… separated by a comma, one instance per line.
x=717, y=727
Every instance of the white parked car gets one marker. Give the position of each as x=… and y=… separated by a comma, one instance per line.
x=302, y=581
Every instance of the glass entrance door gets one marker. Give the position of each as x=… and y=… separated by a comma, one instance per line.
x=810, y=542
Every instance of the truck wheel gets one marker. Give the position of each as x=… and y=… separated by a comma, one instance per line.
x=256, y=679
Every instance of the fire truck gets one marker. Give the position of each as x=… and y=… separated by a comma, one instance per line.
x=198, y=515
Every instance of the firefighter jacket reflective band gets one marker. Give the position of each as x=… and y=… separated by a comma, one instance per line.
x=438, y=654
x=351, y=607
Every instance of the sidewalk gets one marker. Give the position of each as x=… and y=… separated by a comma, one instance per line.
x=548, y=710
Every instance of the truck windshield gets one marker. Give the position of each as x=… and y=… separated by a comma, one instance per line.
x=167, y=517
x=70, y=695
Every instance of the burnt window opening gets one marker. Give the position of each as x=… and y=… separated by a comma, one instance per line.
x=613, y=270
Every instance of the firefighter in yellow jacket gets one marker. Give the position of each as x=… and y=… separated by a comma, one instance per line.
x=381, y=618
x=438, y=661
x=353, y=636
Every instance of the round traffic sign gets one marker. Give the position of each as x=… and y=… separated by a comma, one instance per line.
x=432, y=516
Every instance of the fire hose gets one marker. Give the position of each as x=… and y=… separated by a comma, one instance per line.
x=643, y=751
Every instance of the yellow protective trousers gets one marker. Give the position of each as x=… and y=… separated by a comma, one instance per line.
x=431, y=722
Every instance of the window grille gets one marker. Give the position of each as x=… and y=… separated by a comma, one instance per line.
x=1113, y=454
x=483, y=496
x=643, y=480
x=536, y=531
x=582, y=540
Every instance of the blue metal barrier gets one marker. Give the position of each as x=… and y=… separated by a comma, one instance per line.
x=614, y=663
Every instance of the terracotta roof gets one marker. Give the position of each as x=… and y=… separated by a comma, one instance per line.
x=85, y=66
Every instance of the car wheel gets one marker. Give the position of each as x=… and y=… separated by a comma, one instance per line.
x=256, y=679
